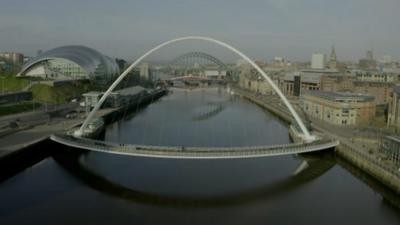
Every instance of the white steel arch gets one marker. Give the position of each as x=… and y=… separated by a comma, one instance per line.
x=307, y=137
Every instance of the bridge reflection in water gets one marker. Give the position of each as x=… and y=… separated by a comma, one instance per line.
x=212, y=109
x=316, y=166
x=314, y=169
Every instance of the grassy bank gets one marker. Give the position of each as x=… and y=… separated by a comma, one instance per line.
x=60, y=94
x=43, y=92
x=18, y=108
x=12, y=83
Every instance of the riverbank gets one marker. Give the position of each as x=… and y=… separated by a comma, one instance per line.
x=116, y=114
x=28, y=146
x=385, y=174
x=25, y=148
x=388, y=194
x=269, y=104
x=12, y=162
x=359, y=157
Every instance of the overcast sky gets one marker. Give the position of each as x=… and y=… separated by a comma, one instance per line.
x=262, y=29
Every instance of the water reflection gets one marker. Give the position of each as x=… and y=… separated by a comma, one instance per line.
x=388, y=196
x=208, y=111
x=316, y=168
x=200, y=117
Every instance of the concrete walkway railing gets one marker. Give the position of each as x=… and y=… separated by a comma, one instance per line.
x=373, y=160
x=193, y=152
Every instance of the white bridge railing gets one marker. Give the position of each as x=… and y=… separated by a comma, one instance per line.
x=193, y=152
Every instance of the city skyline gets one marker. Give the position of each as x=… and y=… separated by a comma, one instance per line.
x=261, y=29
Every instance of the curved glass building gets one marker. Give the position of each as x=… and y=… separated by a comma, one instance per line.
x=72, y=62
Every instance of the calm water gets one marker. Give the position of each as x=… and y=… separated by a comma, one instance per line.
x=200, y=117
x=96, y=188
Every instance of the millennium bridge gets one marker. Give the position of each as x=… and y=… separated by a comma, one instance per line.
x=181, y=152
x=308, y=142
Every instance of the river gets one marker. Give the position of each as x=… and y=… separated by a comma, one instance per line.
x=97, y=188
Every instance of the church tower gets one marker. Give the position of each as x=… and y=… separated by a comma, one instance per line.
x=333, y=59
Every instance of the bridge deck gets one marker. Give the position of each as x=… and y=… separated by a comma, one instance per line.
x=193, y=152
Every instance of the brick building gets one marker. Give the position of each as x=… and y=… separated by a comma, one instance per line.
x=339, y=108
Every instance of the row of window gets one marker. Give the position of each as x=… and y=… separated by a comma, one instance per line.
x=345, y=112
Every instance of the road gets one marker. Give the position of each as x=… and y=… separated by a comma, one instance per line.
x=19, y=139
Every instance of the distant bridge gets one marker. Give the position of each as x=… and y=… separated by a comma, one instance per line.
x=195, y=80
x=182, y=152
x=196, y=63
x=190, y=78
x=187, y=59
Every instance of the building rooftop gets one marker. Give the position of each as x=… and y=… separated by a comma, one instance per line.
x=321, y=71
x=337, y=96
x=131, y=90
x=126, y=91
x=372, y=82
x=93, y=62
x=388, y=71
x=93, y=93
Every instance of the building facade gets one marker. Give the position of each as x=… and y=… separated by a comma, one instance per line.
x=14, y=57
x=337, y=83
x=58, y=69
x=255, y=83
x=318, y=61
x=349, y=83
x=374, y=76
x=118, y=98
x=293, y=84
x=145, y=71
x=368, y=62
x=380, y=90
x=72, y=62
x=394, y=109
x=339, y=108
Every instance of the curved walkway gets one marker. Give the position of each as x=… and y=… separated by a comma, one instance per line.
x=193, y=152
